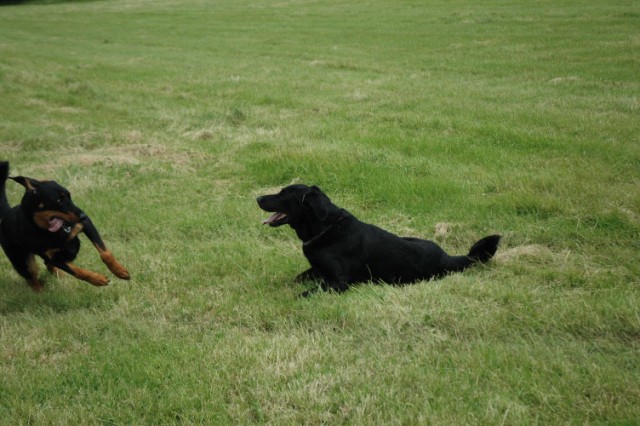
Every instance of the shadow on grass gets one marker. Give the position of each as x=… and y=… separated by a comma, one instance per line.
x=18, y=298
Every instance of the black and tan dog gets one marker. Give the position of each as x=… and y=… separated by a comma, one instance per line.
x=46, y=223
x=343, y=250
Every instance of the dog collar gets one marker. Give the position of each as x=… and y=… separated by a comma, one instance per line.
x=324, y=231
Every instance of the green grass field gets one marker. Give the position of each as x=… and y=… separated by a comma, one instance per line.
x=166, y=119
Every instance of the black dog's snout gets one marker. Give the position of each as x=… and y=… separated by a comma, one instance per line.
x=262, y=201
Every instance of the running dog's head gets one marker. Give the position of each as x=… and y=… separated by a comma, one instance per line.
x=305, y=208
x=48, y=204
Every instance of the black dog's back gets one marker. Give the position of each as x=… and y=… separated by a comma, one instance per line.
x=379, y=255
x=371, y=253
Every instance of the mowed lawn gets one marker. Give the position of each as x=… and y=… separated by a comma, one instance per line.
x=444, y=120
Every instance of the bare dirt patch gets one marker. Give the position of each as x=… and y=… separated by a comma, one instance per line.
x=441, y=230
x=530, y=250
x=147, y=155
x=558, y=80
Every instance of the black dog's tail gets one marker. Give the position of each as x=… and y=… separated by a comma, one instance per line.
x=480, y=252
x=4, y=174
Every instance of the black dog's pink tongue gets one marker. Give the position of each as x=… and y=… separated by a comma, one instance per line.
x=55, y=224
x=274, y=217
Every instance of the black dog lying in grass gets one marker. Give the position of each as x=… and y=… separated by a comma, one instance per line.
x=47, y=223
x=343, y=250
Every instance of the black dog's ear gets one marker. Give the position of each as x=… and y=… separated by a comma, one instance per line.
x=24, y=181
x=318, y=202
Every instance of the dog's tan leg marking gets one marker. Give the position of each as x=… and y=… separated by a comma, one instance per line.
x=34, y=283
x=77, y=228
x=114, y=266
x=54, y=271
x=88, y=276
x=49, y=253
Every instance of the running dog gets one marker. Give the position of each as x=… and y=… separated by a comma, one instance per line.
x=46, y=223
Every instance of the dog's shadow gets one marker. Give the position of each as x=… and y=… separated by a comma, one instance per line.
x=57, y=298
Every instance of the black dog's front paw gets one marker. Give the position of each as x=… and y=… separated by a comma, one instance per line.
x=309, y=293
x=308, y=275
x=336, y=287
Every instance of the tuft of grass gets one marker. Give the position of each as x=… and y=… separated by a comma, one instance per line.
x=449, y=121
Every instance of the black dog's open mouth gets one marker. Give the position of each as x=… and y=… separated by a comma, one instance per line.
x=55, y=223
x=276, y=219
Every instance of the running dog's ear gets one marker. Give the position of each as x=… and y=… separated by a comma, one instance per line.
x=318, y=202
x=28, y=183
